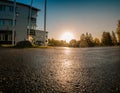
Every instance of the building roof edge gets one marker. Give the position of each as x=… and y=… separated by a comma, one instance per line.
x=20, y=4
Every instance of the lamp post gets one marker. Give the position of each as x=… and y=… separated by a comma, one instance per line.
x=29, y=21
x=14, y=18
x=45, y=7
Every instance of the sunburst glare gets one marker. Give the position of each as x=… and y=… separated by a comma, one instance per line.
x=67, y=36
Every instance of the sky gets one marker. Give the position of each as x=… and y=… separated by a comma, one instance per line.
x=78, y=16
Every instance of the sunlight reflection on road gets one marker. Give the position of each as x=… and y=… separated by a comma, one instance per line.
x=67, y=50
x=64, y=73
x=64, y=70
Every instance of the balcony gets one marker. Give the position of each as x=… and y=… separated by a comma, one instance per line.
x=8, y=28
x=6, y=15
x=32, y=32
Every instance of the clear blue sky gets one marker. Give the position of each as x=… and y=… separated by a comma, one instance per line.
x=78, y=16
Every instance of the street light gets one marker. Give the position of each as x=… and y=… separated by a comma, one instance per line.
x=45, y=7
x=14, y=17
x=29, y=22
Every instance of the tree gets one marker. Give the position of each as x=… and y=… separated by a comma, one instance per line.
x=83, y=42
x=82, y=37
x=96, y=42
x=114, y=39
x=106, y=39
x=53, y=42
x=89, y=39
x=118, y=31
x=73, y=43
x=86, y=40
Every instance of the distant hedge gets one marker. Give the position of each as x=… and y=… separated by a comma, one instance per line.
x=24, y=44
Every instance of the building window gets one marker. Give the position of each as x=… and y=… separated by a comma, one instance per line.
x=11, y=8
x=2, y=7
x=32, y=32
x=9, y=37
x=33, y=20
x=33, y=27
x=2, y=22
x=2, y=37
x=10, y=22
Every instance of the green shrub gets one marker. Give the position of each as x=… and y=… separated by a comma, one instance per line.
x=24, y=44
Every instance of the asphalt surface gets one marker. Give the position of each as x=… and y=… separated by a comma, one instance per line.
x=60, y=70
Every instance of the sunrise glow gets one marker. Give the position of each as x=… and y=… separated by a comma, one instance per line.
x=67, y=36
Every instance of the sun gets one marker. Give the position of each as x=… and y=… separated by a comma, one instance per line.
x=67, y=36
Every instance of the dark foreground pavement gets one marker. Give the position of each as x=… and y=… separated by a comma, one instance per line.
x=60, y=70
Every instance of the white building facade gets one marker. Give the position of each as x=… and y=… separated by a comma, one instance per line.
x=25, y=24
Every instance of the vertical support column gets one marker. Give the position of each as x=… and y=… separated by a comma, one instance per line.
x=45, y=5
x=29, y=22
x=14, y=18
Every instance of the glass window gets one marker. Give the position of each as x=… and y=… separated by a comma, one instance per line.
x=33, y=20
x=2, y=37
x=2, y=7
x=34, y=13
x=2, y=22
x=11, y=8
x=10, y=22
x=9, y=37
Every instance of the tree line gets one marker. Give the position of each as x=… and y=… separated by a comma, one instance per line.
x=87, y=40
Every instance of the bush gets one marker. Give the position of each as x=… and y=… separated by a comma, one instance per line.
x=24, y=44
